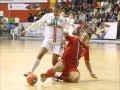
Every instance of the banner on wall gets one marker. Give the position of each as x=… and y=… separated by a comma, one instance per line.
x=107, y=32
x=52, y=2
x=61, y=0
x=21, y=1
x=32, y=6
x=38, y=31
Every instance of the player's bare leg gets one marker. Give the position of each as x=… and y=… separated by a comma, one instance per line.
x=37, y=61
x=54, y=59
x=42, y=52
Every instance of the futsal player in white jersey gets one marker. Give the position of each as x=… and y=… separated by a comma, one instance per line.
x=70, y=24
x=53, y=38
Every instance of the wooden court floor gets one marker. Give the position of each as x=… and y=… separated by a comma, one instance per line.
x=17, y=56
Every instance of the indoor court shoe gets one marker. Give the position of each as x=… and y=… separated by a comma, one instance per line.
x=56, y=78
x=43, y=77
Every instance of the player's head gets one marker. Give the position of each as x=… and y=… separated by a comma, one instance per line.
x=70, y=15
x=62, y=13
x=85, y=37
x=56, y=10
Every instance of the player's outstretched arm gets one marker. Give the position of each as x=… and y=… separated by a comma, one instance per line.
x=23, y=32
x=39, y=22
x=90, y=69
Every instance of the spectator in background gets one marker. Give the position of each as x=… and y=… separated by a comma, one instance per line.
x=10, y=26
x=77, y=16
x=5, y=25
x=76, y=3
x=30, y=17
x=114, y=16
x=97, y=15
x=63, y=4
x=69, y=9
x=104, y=4
x=90, y=2
x=102, y=16
x=108, y=9
x=92, y=9
x=63, y=14
x=88, y=12
x=82, y=16
x=40, y=14
x=81, y=2
x=107, y=17
x=70, y=24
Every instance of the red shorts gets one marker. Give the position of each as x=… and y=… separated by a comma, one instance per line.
x=67, y=70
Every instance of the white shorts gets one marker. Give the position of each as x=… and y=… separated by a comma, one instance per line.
x=54, y=47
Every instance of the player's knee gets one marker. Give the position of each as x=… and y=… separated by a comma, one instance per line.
x=41, y=54
x=74, y=79
x=54, y=62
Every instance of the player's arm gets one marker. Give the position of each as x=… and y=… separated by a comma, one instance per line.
x=39, y=22
x=72, y=24
x=88, y=65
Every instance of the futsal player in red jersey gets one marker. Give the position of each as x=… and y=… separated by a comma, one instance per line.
x=75, y=49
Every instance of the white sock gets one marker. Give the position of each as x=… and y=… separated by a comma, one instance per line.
x=34, y=65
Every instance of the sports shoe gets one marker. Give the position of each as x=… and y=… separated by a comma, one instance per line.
x=56, y=78
x=43, y=77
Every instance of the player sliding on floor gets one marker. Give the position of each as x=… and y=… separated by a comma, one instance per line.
x=76, y=48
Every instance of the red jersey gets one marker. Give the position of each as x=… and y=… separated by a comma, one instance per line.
x=74, y=51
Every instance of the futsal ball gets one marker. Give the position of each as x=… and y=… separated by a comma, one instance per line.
x=32, y=79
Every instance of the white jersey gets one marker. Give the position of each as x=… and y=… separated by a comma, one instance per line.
x=69, y=25
x=52, y=32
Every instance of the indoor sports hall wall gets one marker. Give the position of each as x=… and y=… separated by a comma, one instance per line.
x=106, y=33
x=23, y=14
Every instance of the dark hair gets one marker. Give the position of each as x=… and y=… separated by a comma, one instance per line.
x=57, y=5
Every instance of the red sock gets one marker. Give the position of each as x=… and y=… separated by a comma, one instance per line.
x=65, y=78
x=50, y=73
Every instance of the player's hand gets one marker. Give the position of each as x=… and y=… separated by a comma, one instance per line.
x=93, y=75
x=66, y=33
x=23, y=32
